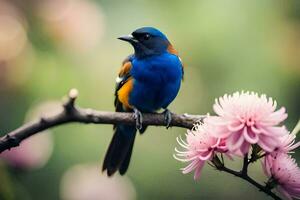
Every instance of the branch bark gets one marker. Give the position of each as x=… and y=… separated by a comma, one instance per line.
x=71, y=113
x=247, y=178
x=243, y=174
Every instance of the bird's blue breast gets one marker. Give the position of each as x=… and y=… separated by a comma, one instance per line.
x=156, y=81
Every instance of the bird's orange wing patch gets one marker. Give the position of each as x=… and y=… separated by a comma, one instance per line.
x=172, y=50
x=124, y=92
x=125, y=69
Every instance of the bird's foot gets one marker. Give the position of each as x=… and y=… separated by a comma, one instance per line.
x=138, y=119
x=168, y=117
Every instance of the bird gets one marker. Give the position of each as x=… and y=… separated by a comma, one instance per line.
x=148, y=81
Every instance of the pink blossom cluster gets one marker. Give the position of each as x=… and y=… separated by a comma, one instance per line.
x=243, y=120
x=200, y=147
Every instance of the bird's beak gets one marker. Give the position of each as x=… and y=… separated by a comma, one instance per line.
x=128, y=38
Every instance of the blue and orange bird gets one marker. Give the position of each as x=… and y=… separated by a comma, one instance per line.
x=149, y=80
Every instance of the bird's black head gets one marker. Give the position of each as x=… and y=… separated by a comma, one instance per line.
x=147, y=41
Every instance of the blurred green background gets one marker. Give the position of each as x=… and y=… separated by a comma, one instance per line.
x=50, y=46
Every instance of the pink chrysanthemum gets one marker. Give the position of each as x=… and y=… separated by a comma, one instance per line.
x=200, y=146
x=246, y=118
x=287, y=144
x=283, y=170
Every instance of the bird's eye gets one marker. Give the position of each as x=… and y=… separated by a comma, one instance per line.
x=146, y=37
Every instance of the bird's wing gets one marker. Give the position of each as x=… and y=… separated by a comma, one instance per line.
x=119, y=152
x=124, y=84
x=172, y=50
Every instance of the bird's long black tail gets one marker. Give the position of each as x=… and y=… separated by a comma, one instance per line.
x=119, y=151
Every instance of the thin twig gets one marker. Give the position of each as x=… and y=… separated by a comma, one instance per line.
x=70, y=113
x=254, y=159
x=245, y=165
x=243, y=174
x=247, y=178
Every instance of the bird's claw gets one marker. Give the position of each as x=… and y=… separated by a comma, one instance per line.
x=138, y=119
x=168, y=117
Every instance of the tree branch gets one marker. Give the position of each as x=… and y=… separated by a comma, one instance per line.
x=243, y=174
x=247, y=178
x=70, y=113
x=244, y=170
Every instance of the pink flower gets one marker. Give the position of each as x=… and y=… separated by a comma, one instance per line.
x=246, y=118
x=200, y=146
x=287, y=144
x=283, y=170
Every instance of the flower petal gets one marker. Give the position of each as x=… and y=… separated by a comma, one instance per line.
x=267, y=143
x=205, y=156
x=198, y=170
x=250, y=136
x=234, y=127
x=235, y=141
